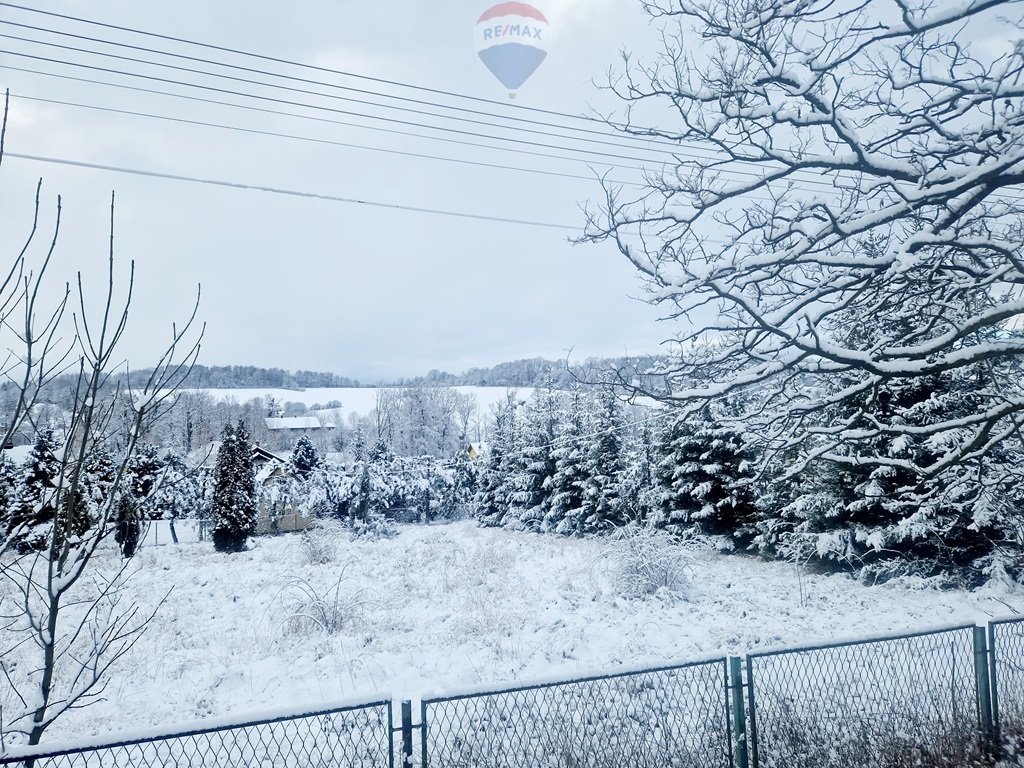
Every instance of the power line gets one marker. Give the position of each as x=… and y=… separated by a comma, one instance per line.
x=323, y=108
x=725, y=172
x=367, y=78
x=314, y=68
x=258, y=132
x=288, y=192
x=335, y=97
x=675, y=151
x=337, y=86
x=264, y=110
x=302, y=194
x=728, y=172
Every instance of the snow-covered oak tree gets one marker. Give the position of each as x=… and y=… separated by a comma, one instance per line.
x=840, y=215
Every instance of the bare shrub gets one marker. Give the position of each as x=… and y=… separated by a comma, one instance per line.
x=319, y=542
x=309, y=607
x=642, y=562
x=374, y=527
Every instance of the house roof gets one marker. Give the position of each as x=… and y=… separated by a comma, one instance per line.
x=263, y=453
x=293, y=422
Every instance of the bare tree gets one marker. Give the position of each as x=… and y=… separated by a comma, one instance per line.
x=840, y=214
x=66, y=612
x=38, y=353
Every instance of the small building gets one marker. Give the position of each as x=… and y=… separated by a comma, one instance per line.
x=295, y=424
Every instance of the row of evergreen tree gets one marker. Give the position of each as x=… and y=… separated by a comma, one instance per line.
x=574, y=463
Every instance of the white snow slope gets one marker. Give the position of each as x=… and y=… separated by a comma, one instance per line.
x=452, y=606
x=360, y=401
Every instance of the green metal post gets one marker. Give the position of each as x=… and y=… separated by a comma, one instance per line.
x=739, y=713
x=983, y=684
x=406, y=734
x=423, y=734
x=993, y=688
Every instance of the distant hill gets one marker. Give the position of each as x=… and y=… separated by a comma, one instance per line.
x=533, y=372
x=251, y=377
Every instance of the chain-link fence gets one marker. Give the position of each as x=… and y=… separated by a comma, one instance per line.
x=893, y=702
x=1006, y=641
x=347, y=737
x=925, y=700
x=666, y=718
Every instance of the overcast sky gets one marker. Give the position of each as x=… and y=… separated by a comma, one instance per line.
x=302, y=283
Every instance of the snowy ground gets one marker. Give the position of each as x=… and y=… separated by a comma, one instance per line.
x=359, y=401
x=452, y=606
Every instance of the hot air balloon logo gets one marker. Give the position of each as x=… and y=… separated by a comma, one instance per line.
x=511, y=39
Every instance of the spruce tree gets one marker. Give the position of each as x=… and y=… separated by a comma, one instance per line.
x=234, y=491
x=140, y=476
x=532, y=497
x=602, y=502
x=33, y=511
x=305, y=457
x=8, y=490
x=638, y=493
x=705, y=474
x=570, y=479
x=496, y=485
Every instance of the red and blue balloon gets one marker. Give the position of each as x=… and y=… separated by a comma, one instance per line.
x=511, y=40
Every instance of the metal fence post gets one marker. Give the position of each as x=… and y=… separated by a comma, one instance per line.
x=755, y=757
x=423, y=734
x=739, y=713
x=406, y=733
x=983, y=683
x=993, y=688
x=391, y=735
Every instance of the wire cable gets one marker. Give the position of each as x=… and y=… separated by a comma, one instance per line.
x=310, y=139
x=323, y=108
x=314, y=68
x=288, y=192
x=264, y=110
x=675, y=147
x=335, y=97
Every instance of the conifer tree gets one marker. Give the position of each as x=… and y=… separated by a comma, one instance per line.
x=34, y=507
x=305, y=457
x=532, y=497
x=234, y=491
x=602, y=504
x=705, y=475
x=570, y=478
x=8, y=488
x=494, y=498
x=140, y=477
x=638, y=489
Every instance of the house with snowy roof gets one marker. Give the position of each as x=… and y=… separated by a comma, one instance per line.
x=296, y=424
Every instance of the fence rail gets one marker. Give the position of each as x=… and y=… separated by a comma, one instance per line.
x=357, y=736
x=669, y=716
x=1006, y=646
x=932, y=699
x=910, y=700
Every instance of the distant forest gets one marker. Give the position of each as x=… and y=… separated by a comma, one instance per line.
x=532, y=372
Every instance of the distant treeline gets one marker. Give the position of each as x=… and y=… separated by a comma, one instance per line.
x=252, y=377
x=533, y=372
x=536, y=372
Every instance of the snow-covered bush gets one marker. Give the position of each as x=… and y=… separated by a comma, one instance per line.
x=373, y=527
x=642, y=562
x=310, y=607
x=319, y=542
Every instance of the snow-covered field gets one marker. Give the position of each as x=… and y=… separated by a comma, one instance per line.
x=450, y=606
x=360, y=401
